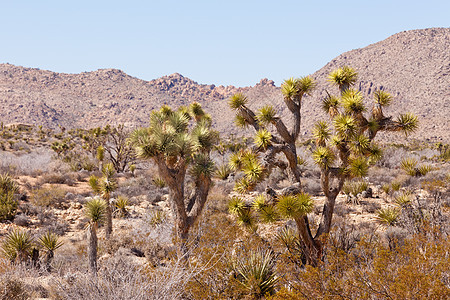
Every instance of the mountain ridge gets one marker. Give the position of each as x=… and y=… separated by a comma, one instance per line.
x=413, y=65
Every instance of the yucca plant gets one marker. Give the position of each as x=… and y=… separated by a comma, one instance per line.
x=180, y=142
x=96, y=213
x=388, y=216
x=49, y=242
x=409, y=166
x=256, y=273
x=121, y=205
x=403, y=199
x=17, y=246
x=223, y=171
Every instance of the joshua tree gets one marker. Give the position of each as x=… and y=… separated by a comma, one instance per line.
x=105, y=186
x=95, y=211
x=344, y=151
x=269, y=143
x=178, y=147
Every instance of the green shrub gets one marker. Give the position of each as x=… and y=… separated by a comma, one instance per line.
x=8, y=201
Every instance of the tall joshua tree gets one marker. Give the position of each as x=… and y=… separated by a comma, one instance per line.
x=95, y=211
x=105, y=186
x=259, y=162
x=344, y=149
x=180, y=141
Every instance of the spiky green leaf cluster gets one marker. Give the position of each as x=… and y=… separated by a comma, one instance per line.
x=169, y=135
x=345, y=126
x=266, y=115
x=352, y=101
x=202, y=165
x=321, y=133
x=289, y=88
x=383, y=98
x=96, y=210
x=294, y=207
x=324, y=157
x=49, y=241
x=256, y=273
x=407, y=123
x=343, y=76
x=17, y=245
x=330, y=105
x=263, y=139
x=359, y=167
x=237, y=101
x=388, y=216
x=8, y=199
x=294, y=87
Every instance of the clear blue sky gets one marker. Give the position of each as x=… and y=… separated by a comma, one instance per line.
x=220, y=42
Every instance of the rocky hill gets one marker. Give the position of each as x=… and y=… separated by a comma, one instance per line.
x=413, y=65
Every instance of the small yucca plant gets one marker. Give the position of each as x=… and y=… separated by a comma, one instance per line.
x=49, y=242
x=409, y=166
x=388, y=216
x=403, y=199
x=256, y=273
x=121, y=205
x=17, y=246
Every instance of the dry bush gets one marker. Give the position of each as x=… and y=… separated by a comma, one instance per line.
x=52, y=196
x=33, y=163
x=118, y=278
x=416, y=269
x=57, y=178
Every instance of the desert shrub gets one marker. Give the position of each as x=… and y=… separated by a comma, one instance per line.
x=414, y=269
x=353, y=188
x=118, y=278
x=57, y=178
x=8, y=197
x=22, y=220
x=51, y=196
x=12, y=287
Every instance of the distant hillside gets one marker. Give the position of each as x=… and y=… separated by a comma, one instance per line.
x=413, y=65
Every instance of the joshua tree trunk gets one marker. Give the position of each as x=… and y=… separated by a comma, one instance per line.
x=92, y=248
x=48, y=260
x=108, y=229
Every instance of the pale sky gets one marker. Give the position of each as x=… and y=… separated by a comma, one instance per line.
x=220, y=42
